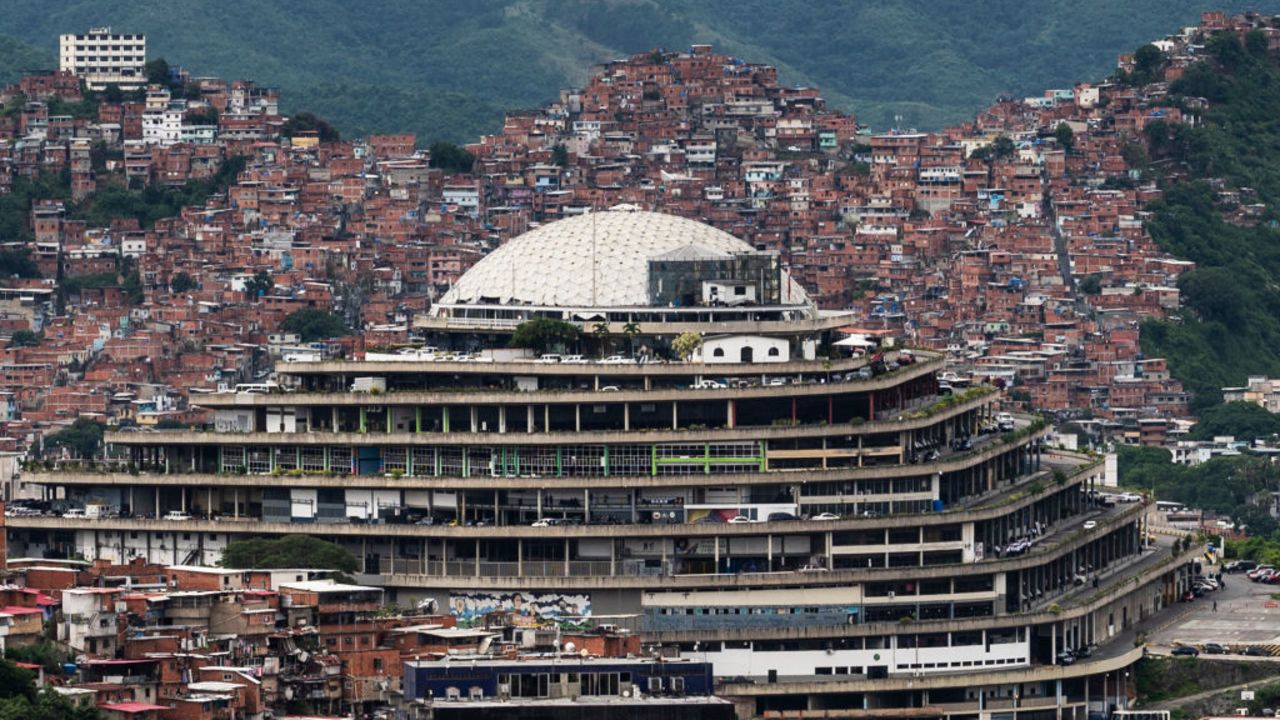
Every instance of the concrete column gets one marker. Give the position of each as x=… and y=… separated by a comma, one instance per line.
x=520, y=557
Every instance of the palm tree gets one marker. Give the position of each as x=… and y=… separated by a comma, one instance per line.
x=601, y=331
x=631, y=330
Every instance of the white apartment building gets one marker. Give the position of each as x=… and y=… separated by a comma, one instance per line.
x=163, y=126
x=103, y=58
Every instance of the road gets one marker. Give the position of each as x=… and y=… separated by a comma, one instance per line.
x=1246, y=615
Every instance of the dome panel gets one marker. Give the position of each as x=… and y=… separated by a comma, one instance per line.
x=599, y=259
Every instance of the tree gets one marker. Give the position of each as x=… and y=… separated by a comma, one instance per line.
x=1002, y=148
x=83, y=438
x=182, y=282
x=686, y=344
x=560, y=155
x=43, y=653
x=47, y=705
x=24, y=338
x=311, y=324
x=450, y=157
x=1146, y=64
x=18, y=263
x=1241, y=420
x=1065, y=136
x=132, y=287
x=631, y=330
x=308, y=122
x=258, y=285
x=1091, y=284
x=16, y=682
x=601, y=331
x=157, y=71
x=288, y=551
x=544, y=334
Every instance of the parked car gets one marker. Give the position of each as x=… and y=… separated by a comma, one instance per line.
x=709, y=385
x=176, y=515
x=1184, y=650
x=1255, y=651
x=1066, y=657
x=1004, y=421
x=618, y=360
x=1090, y=524
x=1212, y=648
x=608, y=388
x=739, y=519
x=781, y=517
x=825, y=516
x=1236, y=566
x=1260, y=570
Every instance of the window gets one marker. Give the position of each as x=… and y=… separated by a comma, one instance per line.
x=773, y=352
x=718, y=352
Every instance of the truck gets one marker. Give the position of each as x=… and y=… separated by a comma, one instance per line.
x=369, y=384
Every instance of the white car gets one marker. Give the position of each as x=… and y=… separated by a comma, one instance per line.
x=176, y=515
x=739, y=520
x=608, y=388
x=618, y=360
x=1129, y=497
x=1004, y=421
x=825, y=516
x=74, y=515
x=709, y=385
x=573, y=360
x=549, y=358
x=1090, y=524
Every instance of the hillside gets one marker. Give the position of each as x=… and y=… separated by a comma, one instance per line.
x=1230, y=327
x=448, y=69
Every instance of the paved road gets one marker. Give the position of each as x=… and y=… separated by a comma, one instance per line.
x=1243, y=617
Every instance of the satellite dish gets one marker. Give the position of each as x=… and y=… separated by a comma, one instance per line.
x=570, y=647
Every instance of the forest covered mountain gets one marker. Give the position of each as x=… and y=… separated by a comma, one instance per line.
x=448, y=69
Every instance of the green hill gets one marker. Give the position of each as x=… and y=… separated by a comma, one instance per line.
x=1230, y=325
x=448, y=68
